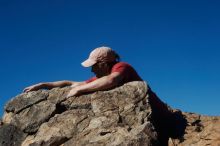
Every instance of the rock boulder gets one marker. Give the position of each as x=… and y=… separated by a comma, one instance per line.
x=121, y=116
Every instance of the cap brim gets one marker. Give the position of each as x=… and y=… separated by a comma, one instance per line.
x=88, y=63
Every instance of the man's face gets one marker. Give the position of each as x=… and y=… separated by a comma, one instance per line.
x=100, y=69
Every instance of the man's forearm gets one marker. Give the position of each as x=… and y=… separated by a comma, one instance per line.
x=50, y=85
x=99, y=84
x=104, y=83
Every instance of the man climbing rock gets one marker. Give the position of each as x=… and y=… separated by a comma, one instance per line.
x=110, y=73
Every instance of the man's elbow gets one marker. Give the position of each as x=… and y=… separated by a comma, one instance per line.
x=113, y=82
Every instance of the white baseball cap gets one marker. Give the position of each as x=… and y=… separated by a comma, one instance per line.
x=100, y=54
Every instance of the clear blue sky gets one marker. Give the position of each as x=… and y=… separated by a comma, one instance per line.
x=174, y=45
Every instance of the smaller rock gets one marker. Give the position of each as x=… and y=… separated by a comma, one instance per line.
x=8, y=117
x=60, y=128
x=30, y=119
x=10, y=135
x=56, y=95
x=25, y=100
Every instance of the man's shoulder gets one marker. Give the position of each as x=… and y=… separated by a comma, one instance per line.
x=121, y=67
x=122, y=64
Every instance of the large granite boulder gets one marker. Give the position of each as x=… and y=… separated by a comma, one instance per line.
x=123, y=116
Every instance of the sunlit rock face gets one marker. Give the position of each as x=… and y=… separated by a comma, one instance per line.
x=123, y=116
x=120, y=116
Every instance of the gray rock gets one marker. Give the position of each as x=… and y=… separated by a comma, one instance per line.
x=124, y=116
x=11, y=135
x=81, y=102
x=30, y=119
x=25, y=100
x=58, y=95
x=120, y=116
x=62, y=127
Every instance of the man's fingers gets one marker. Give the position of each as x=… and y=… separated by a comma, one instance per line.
x=25, y=89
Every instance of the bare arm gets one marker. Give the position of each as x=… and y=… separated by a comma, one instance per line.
x=103, y=83
x=50, y=85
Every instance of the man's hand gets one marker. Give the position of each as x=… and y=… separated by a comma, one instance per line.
x=33, y=88
x=73, y=92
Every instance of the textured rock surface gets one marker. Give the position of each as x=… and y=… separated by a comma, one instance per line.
x=121, y=116
x=11, y=135
x=200, y=131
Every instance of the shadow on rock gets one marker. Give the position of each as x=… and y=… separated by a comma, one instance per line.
x=168, y=123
